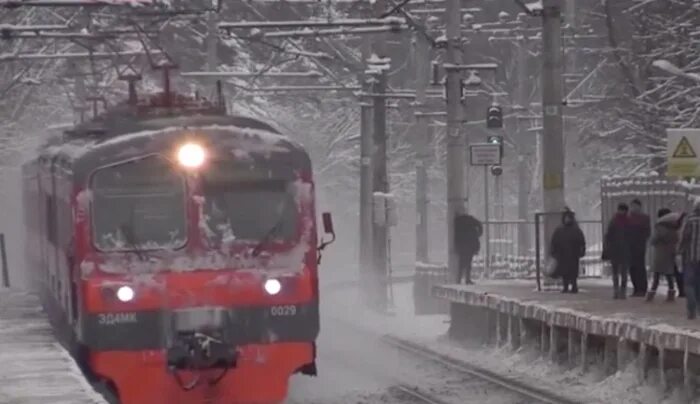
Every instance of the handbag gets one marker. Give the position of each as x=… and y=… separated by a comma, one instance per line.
x=551, y=267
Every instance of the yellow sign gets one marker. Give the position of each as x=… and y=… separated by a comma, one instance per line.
x=684, y=150
x=682, y=159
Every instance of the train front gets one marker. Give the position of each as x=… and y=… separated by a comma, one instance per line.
x=200, y=281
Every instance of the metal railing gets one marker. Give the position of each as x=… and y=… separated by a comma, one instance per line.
x=514, y=245
x=3, y=257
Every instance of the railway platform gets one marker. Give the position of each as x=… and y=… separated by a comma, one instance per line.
x=580, y=329
x=34, y=368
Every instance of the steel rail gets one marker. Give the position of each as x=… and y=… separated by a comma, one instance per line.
x=417, y=394
x=507, y=383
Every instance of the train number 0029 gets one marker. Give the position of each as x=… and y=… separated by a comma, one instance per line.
x=286, y=310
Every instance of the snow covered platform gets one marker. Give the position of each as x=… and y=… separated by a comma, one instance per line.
x=580, y=329
x=35, y=368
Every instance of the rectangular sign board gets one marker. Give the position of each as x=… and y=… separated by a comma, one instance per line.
x=682, y=149
x=485, y=154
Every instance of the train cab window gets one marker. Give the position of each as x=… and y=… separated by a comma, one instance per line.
x=139, y=205
x=248, y=203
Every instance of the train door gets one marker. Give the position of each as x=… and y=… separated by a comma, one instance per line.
x=45, y=208
x=63, y=235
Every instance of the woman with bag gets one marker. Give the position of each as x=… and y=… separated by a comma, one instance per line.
x=567, y=247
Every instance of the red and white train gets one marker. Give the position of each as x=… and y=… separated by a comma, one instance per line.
x=175, y=250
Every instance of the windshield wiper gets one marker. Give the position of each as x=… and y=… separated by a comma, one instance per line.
x=268, y=235
x=131, y=239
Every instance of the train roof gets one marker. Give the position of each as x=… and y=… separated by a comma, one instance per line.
x=122, y=137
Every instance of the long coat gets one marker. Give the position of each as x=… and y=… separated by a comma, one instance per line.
x=664, y=243
x=568, y=246
x=616, y=243
x=468, y=229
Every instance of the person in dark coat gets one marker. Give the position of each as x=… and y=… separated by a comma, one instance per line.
x=663, y=243
x=467, y=230
x=677, y=272
x=567, y=247
x=689, y=248
x=616, y=250
x=640, y=231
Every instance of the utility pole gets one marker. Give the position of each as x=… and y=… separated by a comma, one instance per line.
x=380, y=185
x=212, y=42
x=552, y=137
x=422, y=139
x=366, y=143
x=456, y=196
x=380, y=177
x=80, y=106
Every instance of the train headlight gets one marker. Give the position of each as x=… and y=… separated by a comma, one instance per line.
x=273, y=286
x=191, y=155
x=125, y=294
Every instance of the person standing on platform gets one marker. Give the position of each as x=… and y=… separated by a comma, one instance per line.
x=468, y=230
x=677, y=267
x=689, y=248
x=640, y=231
x=663, y=243
x=616, y=250
x=567, y=247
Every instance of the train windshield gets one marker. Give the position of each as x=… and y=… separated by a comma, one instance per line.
x=139, y=205
x=248, y=202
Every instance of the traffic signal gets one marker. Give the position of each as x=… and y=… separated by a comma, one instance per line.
x=494, y=117
x=495, y=139
x=496, y=170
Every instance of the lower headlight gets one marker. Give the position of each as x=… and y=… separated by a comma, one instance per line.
x=125, y=294
x=272, y=286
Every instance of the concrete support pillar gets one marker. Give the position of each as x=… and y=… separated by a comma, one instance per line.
x=623, y=353
x=513, y=332
x=642, y=360
x=543, y=337
x=499, y=335
x=522, y=331
x=553, y=342
x=571, y=346
x=584, y=352
x=662, y=368
x=609, y=354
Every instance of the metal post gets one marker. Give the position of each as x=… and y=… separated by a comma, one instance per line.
x=366, y=143
x=487, y=225
x=422, y=59
x=523, y=150
x=5, y=269
x=538, y=260
x=456, y=195
x=552, y=138
x=79, y=88
x=380, y=183
x=212, y=54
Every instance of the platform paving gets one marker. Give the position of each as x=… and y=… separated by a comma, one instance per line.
x=34, y=368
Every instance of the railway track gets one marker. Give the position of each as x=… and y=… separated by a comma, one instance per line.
x=509, y=383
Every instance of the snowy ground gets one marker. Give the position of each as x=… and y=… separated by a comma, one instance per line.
x=36, y=369
x=355, y=367
x=525, y=364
